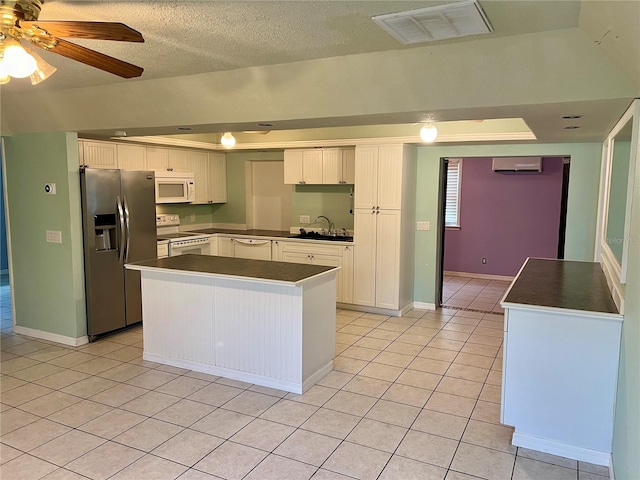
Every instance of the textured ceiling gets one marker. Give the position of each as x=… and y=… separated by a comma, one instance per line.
x=191, y=37
x=188, y=38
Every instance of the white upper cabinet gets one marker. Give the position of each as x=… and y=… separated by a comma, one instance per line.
x=157, y=159
x=338, y=166
x=198, y=164
x=131, y=157
x=217, y=178
x=379, y=170
x=179, y=160
x=99, y=154
x=318, y=166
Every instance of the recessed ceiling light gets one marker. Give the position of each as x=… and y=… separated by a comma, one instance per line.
x=265, y=124
x=572, y=117
x=571, y=127
x=185, y=129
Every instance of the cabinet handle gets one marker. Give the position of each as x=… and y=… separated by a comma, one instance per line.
x=302, y=182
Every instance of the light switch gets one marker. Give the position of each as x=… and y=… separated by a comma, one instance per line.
x=305, y=219
x=54, y=236
x=424, y=226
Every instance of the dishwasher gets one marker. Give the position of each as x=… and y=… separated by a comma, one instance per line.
x=252, y=248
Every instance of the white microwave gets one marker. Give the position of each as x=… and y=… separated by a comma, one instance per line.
x=175, y=187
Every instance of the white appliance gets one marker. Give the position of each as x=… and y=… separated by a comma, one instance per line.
x=175, y=187
x=181, y=243
x=252, y=248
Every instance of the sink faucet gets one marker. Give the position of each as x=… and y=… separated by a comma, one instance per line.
x=331, y=225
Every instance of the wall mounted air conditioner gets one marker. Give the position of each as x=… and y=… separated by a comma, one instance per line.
x=517, y=164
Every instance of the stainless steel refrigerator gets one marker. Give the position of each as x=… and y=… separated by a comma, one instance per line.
x=119, y=226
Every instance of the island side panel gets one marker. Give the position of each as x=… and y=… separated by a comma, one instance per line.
x=258, y=330
x=559, y=382
x=319, y=329
x=177, y=317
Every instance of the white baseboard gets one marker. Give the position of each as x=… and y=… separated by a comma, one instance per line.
x=611, y=472
x=53, y=337
x=479, y=275
x=261, y=380
x=561, y=449
x=424, y=306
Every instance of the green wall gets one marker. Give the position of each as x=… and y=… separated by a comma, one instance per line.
x=48, y=278
x=582, y=204
x=626, y=431
x=332, y=201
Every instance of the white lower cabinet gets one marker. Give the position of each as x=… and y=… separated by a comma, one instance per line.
x=325, y=255
x=225, y=247
x=377, y=261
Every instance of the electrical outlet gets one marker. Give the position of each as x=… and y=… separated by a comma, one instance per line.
x=54, y=236
x=424, y=226
x=305, y=219
x=484, y=261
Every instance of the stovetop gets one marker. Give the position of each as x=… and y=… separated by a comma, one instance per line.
x=178, y=235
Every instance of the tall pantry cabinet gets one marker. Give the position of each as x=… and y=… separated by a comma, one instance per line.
x=384, y=212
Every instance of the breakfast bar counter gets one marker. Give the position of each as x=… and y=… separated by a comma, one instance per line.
x=262, y=322
x=560, y=363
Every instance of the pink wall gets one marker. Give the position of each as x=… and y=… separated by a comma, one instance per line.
x=504, y=218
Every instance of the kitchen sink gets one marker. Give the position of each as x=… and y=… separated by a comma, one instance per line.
x=318, y=236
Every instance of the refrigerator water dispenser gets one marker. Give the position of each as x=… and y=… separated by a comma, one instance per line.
x=105, y=227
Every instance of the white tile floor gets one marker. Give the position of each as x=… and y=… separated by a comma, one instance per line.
x=410, y=398
x=473, y=293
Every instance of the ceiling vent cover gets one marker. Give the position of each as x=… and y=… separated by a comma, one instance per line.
x=451, y=20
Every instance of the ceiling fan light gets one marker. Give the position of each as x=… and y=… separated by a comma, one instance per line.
x=428, y=133
x=43, y=70
x=228, y=140
x=16, y=62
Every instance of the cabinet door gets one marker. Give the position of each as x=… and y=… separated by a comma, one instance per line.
x=296, y=257
x=276, y=251
x=348, y=166
x=225, y=247
x=331, y=261
x=179, y=160
x=157, y=159
x=332, y=165
x=198, y=163
x=213, y=248
x=364, y=258
x=366, y=173
x=100, y=154
x=217, y=178
x=131, y=157
x=80, y=152
x=347, y=275
x=387, y=261
x=312, y=166
x=293, y=167
x=390, y=176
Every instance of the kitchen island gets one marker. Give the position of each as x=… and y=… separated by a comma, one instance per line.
x=262, y=322
x=560, y=364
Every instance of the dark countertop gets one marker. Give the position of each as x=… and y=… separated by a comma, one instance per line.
x=236, y=267
x=266, y=233
x=562, y=284
x=253, y=233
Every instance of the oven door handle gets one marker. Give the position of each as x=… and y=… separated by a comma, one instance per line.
x=121, y=246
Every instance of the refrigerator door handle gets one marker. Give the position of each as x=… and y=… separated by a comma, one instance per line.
x=122, y=227
x=127, y=225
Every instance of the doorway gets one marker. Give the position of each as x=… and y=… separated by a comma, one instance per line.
x=503, y=219
x=269, y=200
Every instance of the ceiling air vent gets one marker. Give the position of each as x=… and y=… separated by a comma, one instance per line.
x=451, y=20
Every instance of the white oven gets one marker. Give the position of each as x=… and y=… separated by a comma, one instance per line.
x=197, y=246
x=175, y=187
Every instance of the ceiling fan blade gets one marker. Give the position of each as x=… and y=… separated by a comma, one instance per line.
x=95, y=59
x=91, y=30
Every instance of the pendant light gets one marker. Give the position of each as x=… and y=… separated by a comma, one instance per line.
x=428, y=132
x=228, y=140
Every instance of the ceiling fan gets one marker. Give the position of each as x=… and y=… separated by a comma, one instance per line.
x=19, y=23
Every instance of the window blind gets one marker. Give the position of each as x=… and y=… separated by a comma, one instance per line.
x=452, y=204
